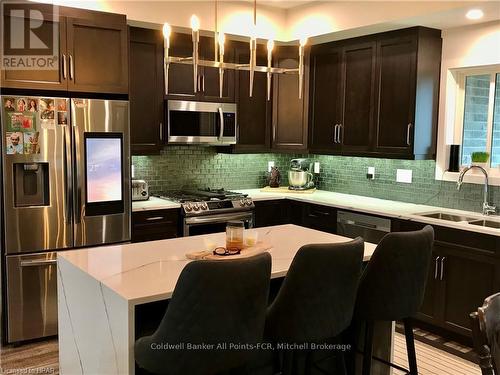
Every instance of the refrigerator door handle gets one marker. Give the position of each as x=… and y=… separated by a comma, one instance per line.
x=68, y=178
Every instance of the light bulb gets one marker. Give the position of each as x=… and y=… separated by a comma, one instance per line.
x=474, y=14
x=166, y=30
x=303, y=41
x=221, y=38
x=195, y=23
x=270, y=45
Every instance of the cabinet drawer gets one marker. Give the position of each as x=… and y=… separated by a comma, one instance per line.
x=155, y=225
x=320, y=217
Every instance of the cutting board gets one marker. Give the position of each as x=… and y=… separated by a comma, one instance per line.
x=284, y=189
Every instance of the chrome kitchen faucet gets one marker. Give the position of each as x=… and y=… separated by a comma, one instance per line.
x=487, y=208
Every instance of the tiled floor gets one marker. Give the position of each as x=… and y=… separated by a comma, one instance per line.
x=432, y=361
x=42, y=358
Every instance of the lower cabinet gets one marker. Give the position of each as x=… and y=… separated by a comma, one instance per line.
x=319, y=217
x=272, y=212
x=155, y=225
x=465, y=270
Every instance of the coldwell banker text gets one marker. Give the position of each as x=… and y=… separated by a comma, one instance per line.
x=30, y=36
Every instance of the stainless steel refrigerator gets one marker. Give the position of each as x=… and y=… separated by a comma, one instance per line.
x=66, y=184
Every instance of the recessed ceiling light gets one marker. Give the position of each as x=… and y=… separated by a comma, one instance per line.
x=474, y=14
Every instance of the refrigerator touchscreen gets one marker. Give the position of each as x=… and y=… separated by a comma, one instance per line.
x=103, y=168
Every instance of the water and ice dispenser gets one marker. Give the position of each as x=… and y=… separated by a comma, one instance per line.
x=31, y=184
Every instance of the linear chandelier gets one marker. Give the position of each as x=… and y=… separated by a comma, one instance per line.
x=218, y=62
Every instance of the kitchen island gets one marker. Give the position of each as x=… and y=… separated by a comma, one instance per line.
x=99, y=289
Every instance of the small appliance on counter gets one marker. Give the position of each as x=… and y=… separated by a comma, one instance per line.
x=299, y=175
x=140, y=190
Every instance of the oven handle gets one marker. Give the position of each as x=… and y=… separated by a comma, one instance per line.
x=218, y=218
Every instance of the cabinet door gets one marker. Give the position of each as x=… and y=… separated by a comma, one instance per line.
x=319, y=217
x=289, y=112
x=180, y=76
x=209, y=81
x=274, y=212
x=98, y=54
x=359, y=97
x=146, y=91
x=155, y=225
x=468, y=278
x=430, y=310
x=54, y=78
x=254, y=113
x=325, y=100
x=396, y=64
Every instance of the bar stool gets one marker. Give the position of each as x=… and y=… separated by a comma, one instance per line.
x=316, y=300
x=214, y=302
x=392, y=288
x=485, y=324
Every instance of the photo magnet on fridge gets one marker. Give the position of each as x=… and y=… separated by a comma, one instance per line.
x=8, y=104
x=32, y=105
x=62, y=118
x=46, y=108
x=31, y=145
x=14, y=144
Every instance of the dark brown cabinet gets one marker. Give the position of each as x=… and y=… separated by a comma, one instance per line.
x=181, y=76
x=319, y=217
x=146, y=91
x=326, y=104
x=155, y=225
x=358, y=93
x=465, y=269
x=272, y=212
x=388, y=95
x=290, y=119
x=92, y=54
x=98, y=56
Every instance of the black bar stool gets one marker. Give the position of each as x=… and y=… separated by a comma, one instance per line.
x=392, y=288
x=486, y=334
x=316, y=300
x=214, y=302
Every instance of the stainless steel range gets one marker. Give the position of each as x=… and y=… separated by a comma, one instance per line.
x=208, y=210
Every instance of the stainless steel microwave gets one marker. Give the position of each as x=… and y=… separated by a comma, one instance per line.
x=201, y=123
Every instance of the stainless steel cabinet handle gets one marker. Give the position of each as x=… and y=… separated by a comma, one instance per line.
x=64, y=66
x=221, y=116
x=38, y=263
x=436, y=267
x=198, y=83
x=161, y=131
x=335, y=133
x=203, y=83
x=408, y=134
x=155, y=218
x=442, y=268
x=339, y=137
x=71, y=67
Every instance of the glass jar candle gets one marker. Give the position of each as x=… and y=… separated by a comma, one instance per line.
x=234, y=235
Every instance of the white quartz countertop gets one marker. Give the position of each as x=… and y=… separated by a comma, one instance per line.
x=382, y=207
x=148, y=271
x=154, y=203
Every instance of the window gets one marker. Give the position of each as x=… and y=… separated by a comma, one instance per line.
x=480, y=120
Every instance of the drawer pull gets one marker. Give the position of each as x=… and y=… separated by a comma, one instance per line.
x=155, y=218
x=436, y=267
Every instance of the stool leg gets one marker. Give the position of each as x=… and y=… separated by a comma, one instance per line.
x=368, y=349
x=410, y=346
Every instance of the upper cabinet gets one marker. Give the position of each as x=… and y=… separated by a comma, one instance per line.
x=289, y=127
x=383, y=98
x=146, y=91
x=181, y=78
x=92, y=55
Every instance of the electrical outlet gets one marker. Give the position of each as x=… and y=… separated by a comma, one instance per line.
x=371, y=173
x=270, y=164
x=404, y=175
x=316, y=167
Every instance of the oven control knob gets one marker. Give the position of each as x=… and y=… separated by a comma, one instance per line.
x=204, y=206
x=196, y=206
x=248, y=202
x=188, y=207
x=242, y=202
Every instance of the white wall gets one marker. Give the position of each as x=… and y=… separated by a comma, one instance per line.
x=463, y=47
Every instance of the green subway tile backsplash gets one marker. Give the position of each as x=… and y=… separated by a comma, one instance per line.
x=194, y=166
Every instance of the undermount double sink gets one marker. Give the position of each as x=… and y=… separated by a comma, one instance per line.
x=461, y=218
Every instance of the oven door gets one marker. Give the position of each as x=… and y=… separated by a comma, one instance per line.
x=194, y=226
x=201, y=123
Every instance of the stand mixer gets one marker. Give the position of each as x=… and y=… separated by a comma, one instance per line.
x=299, y=175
